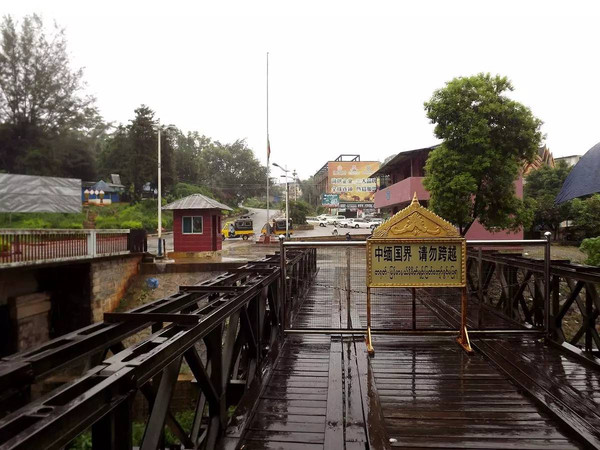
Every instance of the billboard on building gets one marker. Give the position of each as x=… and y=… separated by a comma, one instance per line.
x=350, y=180
x=27, y=193
x=331, y=200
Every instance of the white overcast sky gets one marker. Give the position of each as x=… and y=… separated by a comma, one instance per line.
x=345, y=77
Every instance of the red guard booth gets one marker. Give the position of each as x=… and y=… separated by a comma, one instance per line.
x=196, y=225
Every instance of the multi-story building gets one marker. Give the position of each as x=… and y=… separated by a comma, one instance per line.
x=345, y=185
x=402, y=176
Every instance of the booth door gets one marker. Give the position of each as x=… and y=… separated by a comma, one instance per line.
x=214, y=232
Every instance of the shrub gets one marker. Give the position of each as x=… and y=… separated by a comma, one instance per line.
x=254, y=202
x=4, y=245
x=106, y=222
x=35, y=222
x=132, y=224
x=591, y=247
x=298, y=211
x=181, y=190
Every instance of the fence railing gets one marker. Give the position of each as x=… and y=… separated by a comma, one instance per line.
x=513, y=286
x=25, y=247
x=221, y=331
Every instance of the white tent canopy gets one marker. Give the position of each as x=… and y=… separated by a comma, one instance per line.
x=27, y=193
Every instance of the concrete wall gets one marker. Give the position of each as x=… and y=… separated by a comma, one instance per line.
x=79, y=294
x=109, y=280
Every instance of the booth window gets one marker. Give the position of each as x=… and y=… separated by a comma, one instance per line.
x=191, y=224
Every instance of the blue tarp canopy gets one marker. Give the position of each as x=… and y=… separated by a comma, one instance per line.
x=584, y=179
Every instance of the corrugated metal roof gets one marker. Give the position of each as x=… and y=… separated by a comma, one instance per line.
x=196, y=201
x=583, y=179
x=389, y=166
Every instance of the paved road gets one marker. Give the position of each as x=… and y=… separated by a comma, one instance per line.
x=259, y=218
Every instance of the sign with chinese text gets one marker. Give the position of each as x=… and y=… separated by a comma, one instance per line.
x=352, y=181
x=409, y=263
x=416, y=248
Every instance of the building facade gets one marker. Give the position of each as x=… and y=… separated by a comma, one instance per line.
x=346, y=187
x=402, y=176
x=570, y=160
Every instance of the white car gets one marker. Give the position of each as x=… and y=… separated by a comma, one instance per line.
x=360, y=223
x=345, y=223
x=334, y=220
x=374, y=223
x=316, y=221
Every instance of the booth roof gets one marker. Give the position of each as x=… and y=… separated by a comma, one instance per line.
x=196, y=201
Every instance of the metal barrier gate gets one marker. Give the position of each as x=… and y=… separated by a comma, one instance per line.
x=503, y=297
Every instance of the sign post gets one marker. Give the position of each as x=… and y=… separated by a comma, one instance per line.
x=417, y=249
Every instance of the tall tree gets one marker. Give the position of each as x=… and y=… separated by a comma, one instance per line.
x=542, y=186
x=187, y=155
x=233, y=170
x=486, y=139
x=114, y=155
x=142, y=157
x=310, y=194
x=41, y=98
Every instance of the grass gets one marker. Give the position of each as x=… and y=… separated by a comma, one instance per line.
x=118, y=215
x=571, y=253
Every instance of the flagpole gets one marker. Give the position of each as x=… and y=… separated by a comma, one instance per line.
x=268, y=153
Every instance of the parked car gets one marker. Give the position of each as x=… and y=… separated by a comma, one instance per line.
x=334, y=220
x=316, y=221
x=345, y=223
x=360, y=223
x=375, y=222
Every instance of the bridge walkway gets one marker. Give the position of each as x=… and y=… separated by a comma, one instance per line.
x=324, y=392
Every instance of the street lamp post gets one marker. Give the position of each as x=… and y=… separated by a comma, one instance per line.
x=287, y=201
x=159, y=228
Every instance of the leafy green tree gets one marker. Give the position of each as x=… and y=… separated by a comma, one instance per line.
x=114, y=155
x=298, y=211
x=45, y=119
x=586, y=216
x=487, y=137
x=188, y=148
x=542, y=186
x=233, y=171
x=591, y=247
x=181, y=190
x=310, y=194
x=167, y=156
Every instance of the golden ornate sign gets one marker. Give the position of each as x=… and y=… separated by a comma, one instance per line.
x=417, y=248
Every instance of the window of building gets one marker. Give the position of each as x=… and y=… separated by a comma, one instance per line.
x=191, y=225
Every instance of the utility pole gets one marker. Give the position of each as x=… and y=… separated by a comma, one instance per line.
x=268, y=227
x=160, y=249
x=295, y=180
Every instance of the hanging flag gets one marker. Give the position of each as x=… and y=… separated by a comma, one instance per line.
x=268, y=148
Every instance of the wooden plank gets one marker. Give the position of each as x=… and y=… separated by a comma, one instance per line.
x=560, y=407
x=377, y=435
x=434, y=396
x=497, y=443
x=334, y=423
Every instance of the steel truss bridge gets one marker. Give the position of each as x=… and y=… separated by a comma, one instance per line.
x=276, y=350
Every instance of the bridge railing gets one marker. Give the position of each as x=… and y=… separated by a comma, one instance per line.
x=224, y=331
x=520, y=285
x=513, y=286
x=25, y=247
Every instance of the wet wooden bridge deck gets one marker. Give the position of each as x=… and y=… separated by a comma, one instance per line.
x=324, y=392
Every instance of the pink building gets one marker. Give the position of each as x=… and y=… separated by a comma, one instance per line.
x=403, y=175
